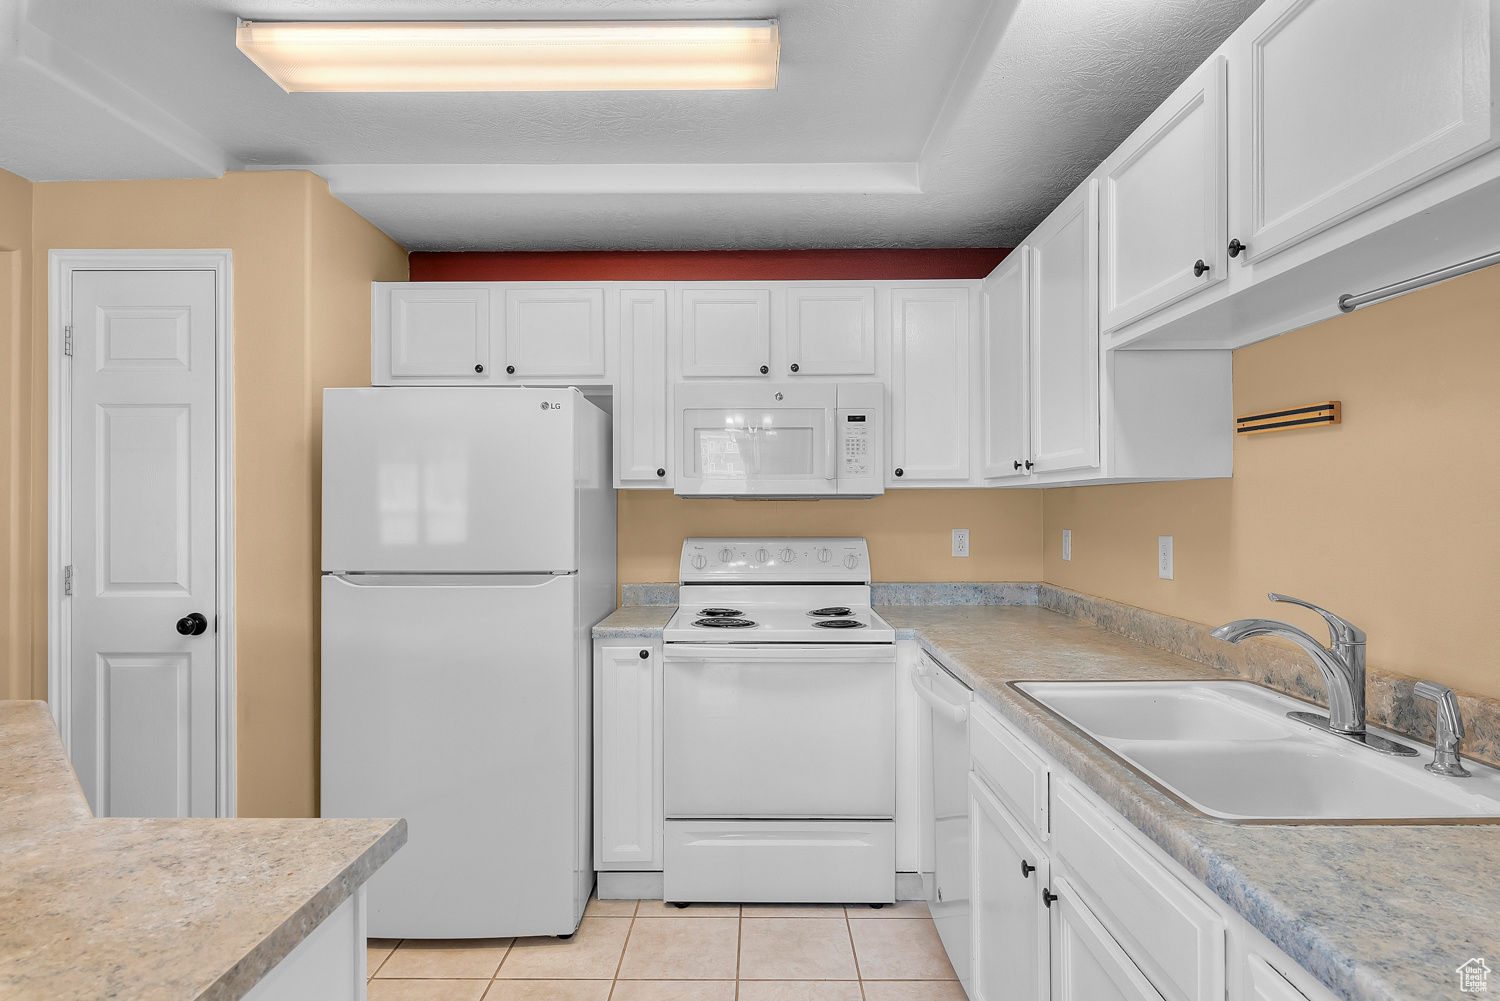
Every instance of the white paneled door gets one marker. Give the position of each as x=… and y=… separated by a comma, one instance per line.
x=142, y=522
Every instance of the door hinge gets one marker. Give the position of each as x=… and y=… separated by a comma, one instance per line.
x=68, y=340
x=68, y=579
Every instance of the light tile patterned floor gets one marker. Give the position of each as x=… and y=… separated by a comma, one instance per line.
x=629, y=950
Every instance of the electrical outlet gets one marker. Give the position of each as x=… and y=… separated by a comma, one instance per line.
x=960, y=542
x=1164, y=557
x=1067, y=543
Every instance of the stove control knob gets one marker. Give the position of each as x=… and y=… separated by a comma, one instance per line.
x=700, y=561
x=787, y=555
x=761, y=556
x=851, y=561
x=726, y=555
x=824, y=555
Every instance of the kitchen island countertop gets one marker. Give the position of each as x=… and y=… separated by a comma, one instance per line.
x=154, y=908
x=1375, y=912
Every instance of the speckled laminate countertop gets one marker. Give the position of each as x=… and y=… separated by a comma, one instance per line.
x=1377, y=913
x=154, y=908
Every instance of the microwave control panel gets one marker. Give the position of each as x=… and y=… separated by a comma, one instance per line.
x=856, y=451
x=861, y=444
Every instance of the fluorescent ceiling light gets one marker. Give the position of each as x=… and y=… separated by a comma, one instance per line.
x=387, y=56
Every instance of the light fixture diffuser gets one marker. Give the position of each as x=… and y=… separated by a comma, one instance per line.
x=397, y=56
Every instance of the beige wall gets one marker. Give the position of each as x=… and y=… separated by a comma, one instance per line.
x=302, y=266
x=910, y=531
x=23, y=645
x=1391, y=519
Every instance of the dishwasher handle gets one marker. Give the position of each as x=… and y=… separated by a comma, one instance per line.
x=939, y=704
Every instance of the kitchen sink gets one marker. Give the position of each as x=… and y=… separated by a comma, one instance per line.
x=1227, y=750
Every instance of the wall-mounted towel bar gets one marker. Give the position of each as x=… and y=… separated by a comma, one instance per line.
x=1349, y=303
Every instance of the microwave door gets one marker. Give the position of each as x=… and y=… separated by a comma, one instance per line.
x=768, y=452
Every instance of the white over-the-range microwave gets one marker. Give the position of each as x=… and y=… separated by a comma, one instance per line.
x=771, y=440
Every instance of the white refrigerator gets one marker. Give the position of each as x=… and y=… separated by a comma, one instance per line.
x=468, y=550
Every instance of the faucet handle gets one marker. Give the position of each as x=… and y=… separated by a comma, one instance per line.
x=1449, y=729
x=1340, y=630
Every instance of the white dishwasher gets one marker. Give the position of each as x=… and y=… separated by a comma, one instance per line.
x=948, y=699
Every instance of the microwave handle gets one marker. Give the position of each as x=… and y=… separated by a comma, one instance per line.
x=830, y=444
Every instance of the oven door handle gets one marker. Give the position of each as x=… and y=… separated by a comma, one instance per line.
x=830, y=444
x=939, y=704
x=842, y=653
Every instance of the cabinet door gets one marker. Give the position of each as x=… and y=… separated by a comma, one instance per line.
x=1339, y=104
x=930, y=385
x=726, y=332
x=1007, y=435
x=642, y=456
x=627, y=799
x=830, y=331
x=1010, y=945
x=437, y=334
x=1265, y=983
x=1162, y=204
x=1087, y=964
x=554, y=333
x=1065, y=334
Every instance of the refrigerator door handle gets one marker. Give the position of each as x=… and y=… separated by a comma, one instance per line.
x=357, y=579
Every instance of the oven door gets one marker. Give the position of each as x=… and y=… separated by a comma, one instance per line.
x=779, y=731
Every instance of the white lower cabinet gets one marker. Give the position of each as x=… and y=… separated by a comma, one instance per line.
x=1088, y=964
x=627, y=756
x=1008, y=872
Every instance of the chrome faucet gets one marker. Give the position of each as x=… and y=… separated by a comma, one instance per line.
x=1342, y=665
x=1449, y=730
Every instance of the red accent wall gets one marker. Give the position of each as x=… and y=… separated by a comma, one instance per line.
x=704, y=265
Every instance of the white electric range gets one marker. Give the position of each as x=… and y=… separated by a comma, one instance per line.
x=778, y=726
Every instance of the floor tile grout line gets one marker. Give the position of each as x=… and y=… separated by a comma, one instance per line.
x=739, y=948
x=615, y=980
x=858, y=973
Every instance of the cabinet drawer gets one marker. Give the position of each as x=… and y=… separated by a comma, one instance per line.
x=1012, y=770
x=1175, y=938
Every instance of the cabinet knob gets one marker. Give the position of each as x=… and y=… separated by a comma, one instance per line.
x=796, y=367
x=1026, y=867
x=1200, y=269
x=660, y=471
x=764, y=369
x=510, y=370
x=1235, y=246
x=1029, y=464
x=1017, y=464
x=479, y=368
x=1048, y=896
x=900, y=471
x=645, y=654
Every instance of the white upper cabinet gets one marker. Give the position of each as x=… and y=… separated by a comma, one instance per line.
x=1065, y=334
x=725, y=332
x=1162, y=204
x=1339, y=104
x=930, y=348
x=830, y=330
x=642, y=452
x=434, y=334
x=554, y=334
x=1006, y=375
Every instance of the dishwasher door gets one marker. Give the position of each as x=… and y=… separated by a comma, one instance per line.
x=948, y=700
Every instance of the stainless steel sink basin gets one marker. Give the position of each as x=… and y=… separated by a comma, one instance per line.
x=1227, y=750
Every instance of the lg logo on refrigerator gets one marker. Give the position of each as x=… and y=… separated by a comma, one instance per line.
x=551, y=406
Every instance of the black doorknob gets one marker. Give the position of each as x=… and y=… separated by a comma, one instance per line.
x=479, y=368
x=1027, y=869
x=510, y=370
x=764, y=369
x=660, y=471
x=796, y=368
x=900, y=471
x=1048, y=896
x=192, y=624
x=1199, y=268
x=1235, y=246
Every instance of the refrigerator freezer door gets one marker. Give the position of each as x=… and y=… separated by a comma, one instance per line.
x=449, y=479
x=458, y=708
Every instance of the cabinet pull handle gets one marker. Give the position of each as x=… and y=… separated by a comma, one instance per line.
x=1027, y=869
x=660, y=471
x=479, y=368
x=1200, y=269
x=510, y=370
x=1048, y=896
x=764, y=369
x=1235, y=247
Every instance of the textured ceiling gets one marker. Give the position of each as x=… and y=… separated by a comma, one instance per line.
x=994, y=109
